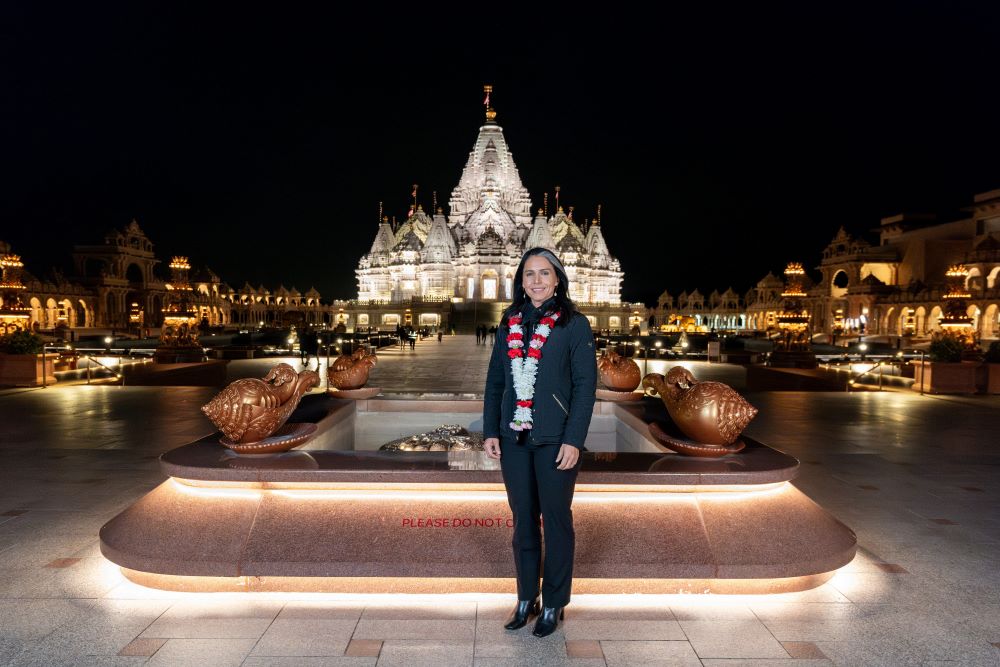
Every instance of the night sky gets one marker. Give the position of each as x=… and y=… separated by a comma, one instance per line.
x=721, y=145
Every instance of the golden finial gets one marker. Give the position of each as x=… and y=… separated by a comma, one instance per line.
x=598, y=220
x=11, y=261
x=545, y=205
x=957, y=271
x=491, y=115
x=380, y=218
x=434, y=198
x=794, y=269
x=570, y=216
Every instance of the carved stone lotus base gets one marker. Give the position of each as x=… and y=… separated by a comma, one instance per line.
x=619, y=396
x=356, y=394
x=285, y=438
x=690, y=447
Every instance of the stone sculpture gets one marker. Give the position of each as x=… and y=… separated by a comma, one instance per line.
x=446, y=438
x=712, y=414
x=350, y=372
x=618, y=373
x=250, y=412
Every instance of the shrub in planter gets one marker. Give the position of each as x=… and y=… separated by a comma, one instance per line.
x=992, y=355
x=20, y=342
x=947, y=347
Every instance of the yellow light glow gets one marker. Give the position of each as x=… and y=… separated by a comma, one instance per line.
x=585, y=493
x=623, y=592
x=248, y=494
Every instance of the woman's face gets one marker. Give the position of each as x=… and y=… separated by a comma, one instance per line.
x=539, y=279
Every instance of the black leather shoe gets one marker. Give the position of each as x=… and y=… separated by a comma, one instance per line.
x=548, y=621
x=524, y=610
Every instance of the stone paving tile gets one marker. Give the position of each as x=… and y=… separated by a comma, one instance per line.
x=108, y=627
x=325, y=610
x=209, y=628
x=198, y=652
x=629, y=653
x=732, y=639
x=326, y=661
x=584, y=648
x=410, y=629
x=493, y=641
x=712, y=612
x=803, y=650
x=28, y=620
x=536, y=661
x=142, y=647
x=305, y=637
x=425, y=653
x=739, y=662
x=369, y=648
x=625, y=630
x=418, y=609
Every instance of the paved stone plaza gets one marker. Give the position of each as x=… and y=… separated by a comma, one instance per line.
x=914, y=476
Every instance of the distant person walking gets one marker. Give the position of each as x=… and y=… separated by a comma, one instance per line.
x=478, y=334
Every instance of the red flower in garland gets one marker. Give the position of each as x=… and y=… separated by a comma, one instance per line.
x=538, y=337
x=534, y=353
x=547, y=321
x=514, y=353
x=525, y=404
x=515, y=336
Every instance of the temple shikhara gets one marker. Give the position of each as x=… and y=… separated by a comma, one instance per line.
x=466, y=260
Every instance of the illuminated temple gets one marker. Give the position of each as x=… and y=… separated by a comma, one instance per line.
x=465, y=261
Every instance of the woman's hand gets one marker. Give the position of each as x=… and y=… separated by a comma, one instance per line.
x=492, y=447
x=567, y=457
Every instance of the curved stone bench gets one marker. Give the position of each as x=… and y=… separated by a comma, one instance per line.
x=439, y=521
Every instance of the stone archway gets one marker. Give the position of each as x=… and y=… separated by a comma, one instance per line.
x=839, y=284
x=991, y=322
x=974, y=312
x=886, y=323
x=934, y=319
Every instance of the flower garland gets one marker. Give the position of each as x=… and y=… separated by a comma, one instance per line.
x=525, y=369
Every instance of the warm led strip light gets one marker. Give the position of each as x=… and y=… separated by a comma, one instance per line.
x=630, y=494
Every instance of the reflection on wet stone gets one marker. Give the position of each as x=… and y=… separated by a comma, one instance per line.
x=445, y=438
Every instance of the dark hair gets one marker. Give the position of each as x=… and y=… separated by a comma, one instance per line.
x=562, y=305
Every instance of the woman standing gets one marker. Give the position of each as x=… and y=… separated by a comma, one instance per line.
x=538, y=403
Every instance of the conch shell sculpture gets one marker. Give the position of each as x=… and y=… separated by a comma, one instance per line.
x=248, y=411
x=618, y=373
x=351, y=371
x=710, y=413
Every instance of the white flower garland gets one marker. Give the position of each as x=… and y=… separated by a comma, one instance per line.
x=524, y=367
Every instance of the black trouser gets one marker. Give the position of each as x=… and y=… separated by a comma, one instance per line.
x=535, y=488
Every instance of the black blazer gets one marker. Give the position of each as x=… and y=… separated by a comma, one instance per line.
x=565, y=387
